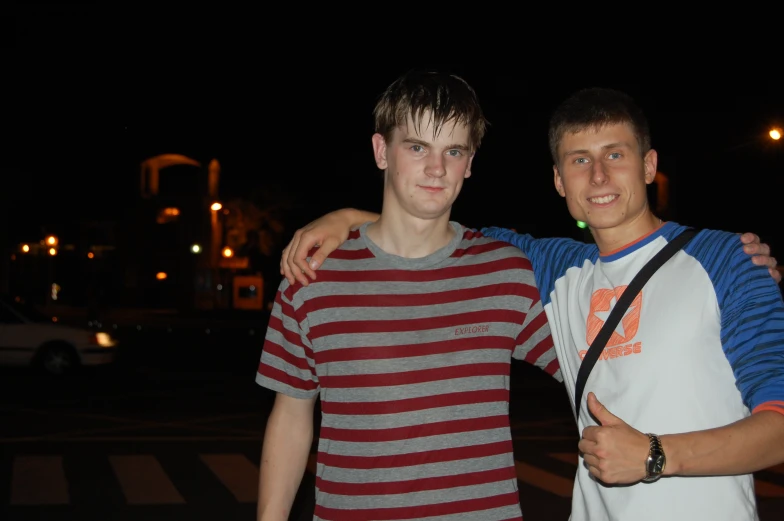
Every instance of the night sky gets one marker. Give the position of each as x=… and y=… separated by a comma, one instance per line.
x=94, y=93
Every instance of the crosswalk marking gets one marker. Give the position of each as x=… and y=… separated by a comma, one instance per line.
x=765, y=489
x=42, y=480
x=312, y=463
x=542, y=479
x=237, y=473
x=566, y=457
x=552, y=482
x=39, y=480
x=143, y=480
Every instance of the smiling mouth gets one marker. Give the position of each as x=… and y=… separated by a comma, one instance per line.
x=605, y=199
x=431, y=188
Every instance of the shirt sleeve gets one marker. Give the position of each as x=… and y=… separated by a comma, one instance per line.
x=752, y=320
x=535, y=344
x=287, y=364
x=550, y=257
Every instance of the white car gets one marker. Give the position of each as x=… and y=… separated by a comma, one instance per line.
x=27, y=337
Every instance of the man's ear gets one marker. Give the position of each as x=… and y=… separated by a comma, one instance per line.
x=380, y=151
x=558, y=181
x=651, y=161
x=468, y=167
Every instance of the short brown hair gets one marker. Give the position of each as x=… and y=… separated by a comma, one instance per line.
x=447, y=97
x=596, y=107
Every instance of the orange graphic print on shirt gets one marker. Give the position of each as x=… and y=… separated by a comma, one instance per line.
x=602, y=303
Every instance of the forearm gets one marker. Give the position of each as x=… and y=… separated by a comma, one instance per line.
x=746, y=446
x=284, y=457
x=359, y=217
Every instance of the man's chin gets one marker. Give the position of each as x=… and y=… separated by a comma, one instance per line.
x=426, y=215
x=595, y=225
x=429, y=211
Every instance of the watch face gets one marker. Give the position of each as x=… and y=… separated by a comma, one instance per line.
x=657, y=464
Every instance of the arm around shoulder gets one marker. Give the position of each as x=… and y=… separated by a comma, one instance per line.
x=326, y=233
x=360, y=217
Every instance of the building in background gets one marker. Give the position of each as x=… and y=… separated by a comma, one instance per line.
x=179, y=249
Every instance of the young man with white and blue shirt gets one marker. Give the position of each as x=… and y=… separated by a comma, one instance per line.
x=698, y=358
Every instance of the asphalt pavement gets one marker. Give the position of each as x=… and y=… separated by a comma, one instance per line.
x=174, y=429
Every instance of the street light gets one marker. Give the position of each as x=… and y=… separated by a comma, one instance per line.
x=51, y=240
x=774, y=134
x=216, y=206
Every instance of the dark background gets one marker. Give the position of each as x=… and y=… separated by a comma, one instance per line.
x=93, y=91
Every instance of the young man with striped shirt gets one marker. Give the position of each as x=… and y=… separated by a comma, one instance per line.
x=407, y=339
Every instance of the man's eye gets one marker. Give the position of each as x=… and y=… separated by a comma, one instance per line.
x=615, y=155
x=417, y=148
x=455, y=152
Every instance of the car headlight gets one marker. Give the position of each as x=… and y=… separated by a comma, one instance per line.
x=103, y=339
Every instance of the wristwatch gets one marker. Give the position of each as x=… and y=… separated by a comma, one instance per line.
x=654, y=465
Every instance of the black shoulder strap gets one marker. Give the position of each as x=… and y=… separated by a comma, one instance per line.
x=618, y=311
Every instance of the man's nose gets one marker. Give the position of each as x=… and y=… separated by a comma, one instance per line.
x=435, y=166
x=598, y=174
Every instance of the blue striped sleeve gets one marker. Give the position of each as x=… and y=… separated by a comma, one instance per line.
x=752, y=318
x=550, y=258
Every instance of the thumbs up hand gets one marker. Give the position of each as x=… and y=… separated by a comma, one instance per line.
x=614, y=452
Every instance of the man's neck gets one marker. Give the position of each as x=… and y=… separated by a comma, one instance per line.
x=410, y=237
x=610, y=240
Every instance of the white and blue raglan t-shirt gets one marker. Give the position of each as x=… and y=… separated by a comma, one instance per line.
x=701, y=347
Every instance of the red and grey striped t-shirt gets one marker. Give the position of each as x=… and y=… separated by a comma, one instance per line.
x=411, y=361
